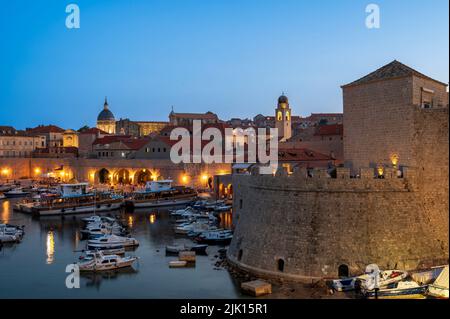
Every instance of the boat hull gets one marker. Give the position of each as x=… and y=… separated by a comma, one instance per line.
x=410, y=293
x=106, y=267
x=77, y=209
x=158, y=203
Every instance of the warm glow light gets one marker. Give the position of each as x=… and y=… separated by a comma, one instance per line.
x=130, y=221
x=380, y=170
x=394, y=159
x=5, y=171
x=50, y=247
x=184, y=178
x=37, y=170
x=152, y=218
x=204, y=177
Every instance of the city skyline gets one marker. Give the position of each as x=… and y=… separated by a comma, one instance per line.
x=189, y=55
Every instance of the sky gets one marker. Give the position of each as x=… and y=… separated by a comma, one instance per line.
x=231, y=57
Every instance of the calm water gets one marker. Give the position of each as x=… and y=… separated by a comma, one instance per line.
x=35, y=268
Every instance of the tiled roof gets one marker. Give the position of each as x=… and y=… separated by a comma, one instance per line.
x=393, y=70
x=45, y=129
x=332, y=129
x=207, y=115
x=301, y=154
x=94, y=131
x=129, y=142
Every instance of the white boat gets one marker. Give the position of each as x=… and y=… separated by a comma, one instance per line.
x=16, y=192
x=2, y=196
x=9, y=238
x=98, y=219
x=177, y=263
x=10, y=233
x=398, y=290
x=101, y=262
x=90, y=254
x=439, y=288
x=215, y=237
x=385, y=278
x=109, y=241
x=222, y=208
x=175, y=249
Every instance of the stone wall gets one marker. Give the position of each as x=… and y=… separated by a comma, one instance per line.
x=317, y=224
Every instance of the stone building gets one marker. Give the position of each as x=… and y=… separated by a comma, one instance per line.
x=186, y=119
x=53, y=134
x=380, y=111
x=308, y=227
x=105, y=120
x=70, y=138
x=283, y=119
x=139, y=128
x=19, y=144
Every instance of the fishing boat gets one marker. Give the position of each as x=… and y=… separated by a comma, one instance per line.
x=90, y=254
x=109, y=241
x=439, y=288
x=16, y=192
x=74, y=199
x=385, y=278
x=408, y=289
x=10, y=233
x=101, y=262
x=159, y=194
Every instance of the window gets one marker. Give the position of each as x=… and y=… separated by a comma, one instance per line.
x=343, y=271
x=164, y=150
x=240, y=203
x=279, y=116
x=288, y=116
x=240, y=255
x=147, y=150
x=159, y=150
x=280, y=264
x=426, y=105
x=153, y=150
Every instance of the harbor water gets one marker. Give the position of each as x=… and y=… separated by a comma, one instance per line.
x=36, y=267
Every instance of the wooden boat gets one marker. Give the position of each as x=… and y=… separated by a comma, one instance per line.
x=177, y=263
x=101, y=262
x=74, y=199
x=439, y=288
x=159, y=194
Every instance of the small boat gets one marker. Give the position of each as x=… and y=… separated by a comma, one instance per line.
x=2, y=196
x=109, y=241
x=398, y=290
x=98, y=219
x=101, y=262
x=385, y=278
x=439, y=288
x=16, y=192
x=161, y=193
x=215, y=237
x=177, y=263
x=346, y=284
x=10, y=233
x=222, y=208
x=90, y=254
x=175, y=249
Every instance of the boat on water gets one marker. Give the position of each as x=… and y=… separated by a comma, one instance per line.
x=407, y=289
x=110, y=241
x=11, y=233
x=90, y=254
x=16, y=192
x=2, y=196
x=439, y=288
x=221, y=237
x=159, y=194
x=95, y=230
x=98, y=219
x=175, y=249
x=73, y=199
x=102, y=262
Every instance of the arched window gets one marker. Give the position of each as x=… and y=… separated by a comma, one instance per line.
x=279, y=116
x=280, y=263
x=343, y=271
x=240, y=255
x=288, y=116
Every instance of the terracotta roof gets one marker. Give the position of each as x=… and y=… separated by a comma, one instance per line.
x=393, y=70
x=110, y=139
x=129, y=142
x=301, y=154
x=207, y=115
x=332, y=129
x=94, y=131
x=45, y=129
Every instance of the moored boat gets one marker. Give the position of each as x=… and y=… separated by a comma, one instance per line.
x=439, y=288
x=161, y=193
x=16, y=192
x=109, y=241
x=398, y=290
x=101, y=262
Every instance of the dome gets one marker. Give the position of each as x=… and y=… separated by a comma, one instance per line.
x=105, y=114
x=283, y=99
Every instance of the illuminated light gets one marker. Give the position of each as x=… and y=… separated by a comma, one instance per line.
x=144, y=170
x=61, y=173
x=130, y=221
x=394, y=159
x=152, y=218
x=50, y=247
x=5, y=171
x=37, y=170
x=205, y=177
x=184, y=179
x=380, y=170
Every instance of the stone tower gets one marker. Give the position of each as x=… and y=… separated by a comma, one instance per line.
x=283, y=118
x=105, y=120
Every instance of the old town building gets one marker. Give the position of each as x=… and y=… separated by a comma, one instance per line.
x=105, y=120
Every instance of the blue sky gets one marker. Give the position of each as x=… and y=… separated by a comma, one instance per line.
x=232, y=57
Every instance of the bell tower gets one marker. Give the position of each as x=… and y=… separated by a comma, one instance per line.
x=283, y=118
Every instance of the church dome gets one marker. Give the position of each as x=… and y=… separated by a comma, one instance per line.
x=105, y=114
x=283, y=99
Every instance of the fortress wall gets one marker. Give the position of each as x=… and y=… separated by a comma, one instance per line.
x=317, y=224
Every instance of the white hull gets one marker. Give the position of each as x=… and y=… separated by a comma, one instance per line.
x=104, y=267
x=79, y=210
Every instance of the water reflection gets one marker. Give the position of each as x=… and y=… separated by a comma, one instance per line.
x=50, y=247
x=152, y=218
x=130, y=221
x=5, y=216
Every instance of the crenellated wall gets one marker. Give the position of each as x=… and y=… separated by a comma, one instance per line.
x=317, y=224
